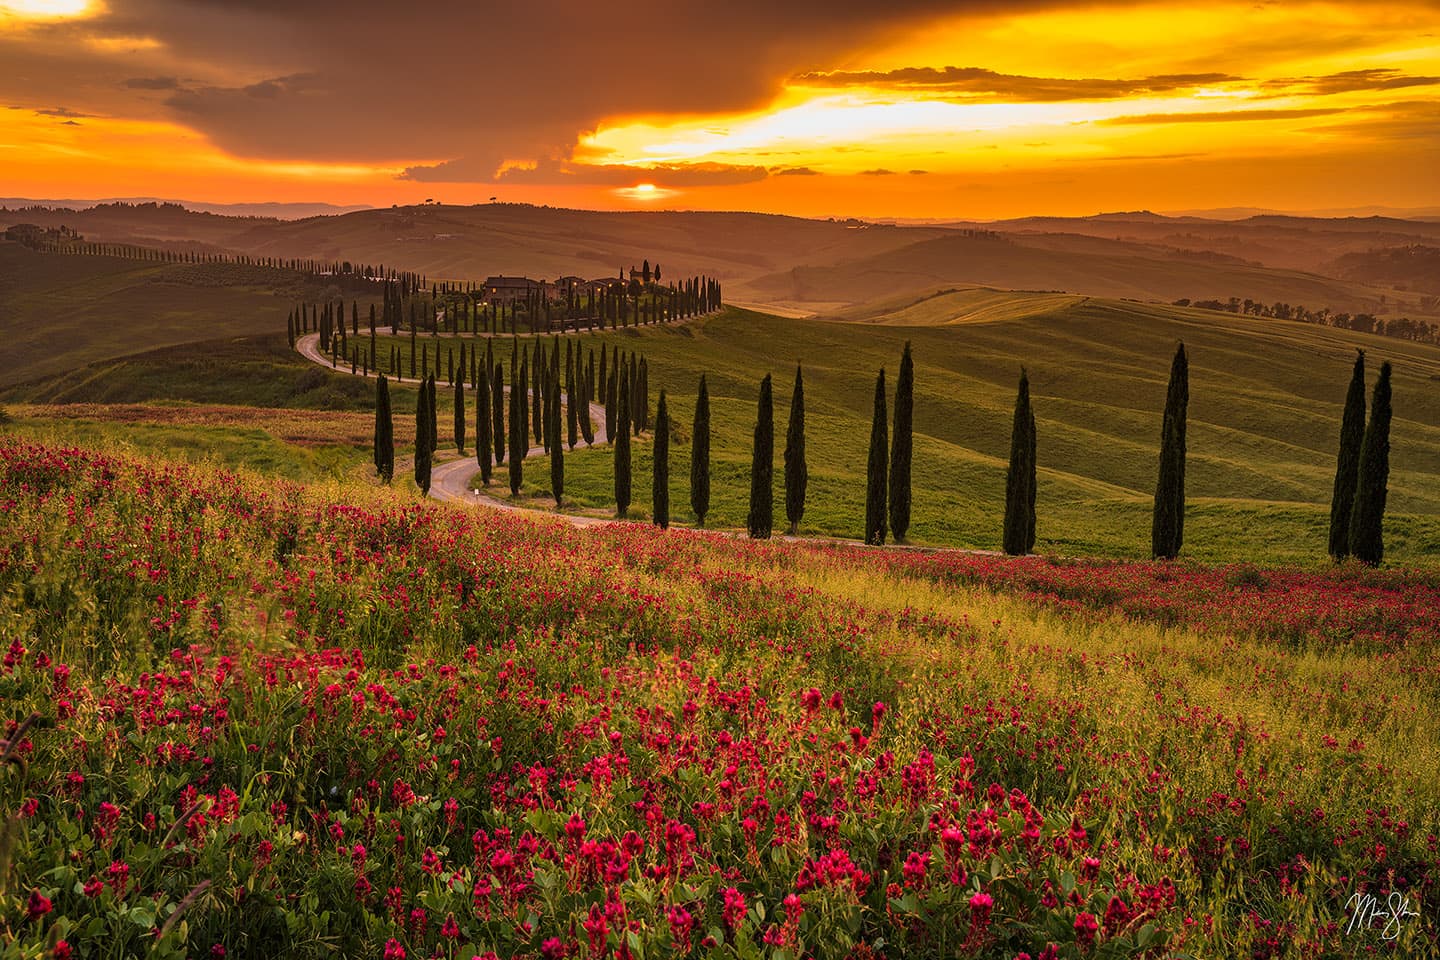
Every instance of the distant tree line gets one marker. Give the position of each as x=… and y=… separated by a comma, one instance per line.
x=1404, y=328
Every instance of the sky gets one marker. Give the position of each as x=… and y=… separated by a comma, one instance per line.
x=909, y=109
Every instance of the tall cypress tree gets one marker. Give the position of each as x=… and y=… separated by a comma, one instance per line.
x=517, y=435
x=537, y=384
x=1019, y=533
x=797, y=476
x=660, y=480
x=434, y=410
x=557, y=449
x=460, y=416
x=875, y=499
x=521, y=388
x=700, y=456
x=762, y=467
x=587, y=396
x=572, y=400
x=423, y=450
x=1367, y=517
x=497, y=413
x=484, y=441
x=1167, y=531
x=612, y=398
x=901, y=446
x=622, y=447
x=384, y=431
x=1347, y=466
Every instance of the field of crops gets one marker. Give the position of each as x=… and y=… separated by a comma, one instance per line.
x=248, y=718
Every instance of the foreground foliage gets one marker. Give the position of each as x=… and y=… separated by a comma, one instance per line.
x=275, y=721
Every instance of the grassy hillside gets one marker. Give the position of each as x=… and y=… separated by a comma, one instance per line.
x=1059, y=262
x=255, y=371
x=1264, y=424
x=969, y=305
x=58, y=313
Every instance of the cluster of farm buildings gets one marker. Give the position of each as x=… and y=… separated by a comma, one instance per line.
x=502, y=289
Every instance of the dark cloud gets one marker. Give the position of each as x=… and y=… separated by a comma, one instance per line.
x=878, y=172
x=153, y=83
x=1349, y=81
x=1223, y=116
x=918, y=173
x=794, y=172
x=1405, y=120
x=63, y=112
x=977, y=83
x=470, y=86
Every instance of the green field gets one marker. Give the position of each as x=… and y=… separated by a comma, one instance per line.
x=1264, y=425
x=59, y=312
x=257, y=371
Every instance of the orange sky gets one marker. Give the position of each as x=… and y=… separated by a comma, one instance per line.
x=980, y=109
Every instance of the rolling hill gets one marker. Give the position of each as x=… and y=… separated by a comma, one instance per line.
x=58, y=313
x=815, y=266
x=1066, y=263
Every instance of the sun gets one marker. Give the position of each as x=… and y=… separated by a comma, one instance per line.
x=44, y=9
x=644, y=192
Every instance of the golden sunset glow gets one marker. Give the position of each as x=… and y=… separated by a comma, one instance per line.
x=1062, y=108
x=45, y=9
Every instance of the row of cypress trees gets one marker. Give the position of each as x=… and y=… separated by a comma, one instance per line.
x=1357, y=508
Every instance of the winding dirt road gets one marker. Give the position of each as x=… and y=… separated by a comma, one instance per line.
x=450, y=481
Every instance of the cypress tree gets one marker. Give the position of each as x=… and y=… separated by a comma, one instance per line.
x=384, y=431
x=1019, y=532
x=484, y=440
x=422, y=441
x=611, y=401
x=497, y=413
x=660, y=483
x=875, y=500
x=434, y=408
x=557, y=449
x=1367, y=517
x=762, y=467
x=521, y=388
x=587, y=394
x=1167, y=532
x=1347, y=467
x=700, y=456
x=796, y=474
x=517, y=435
x=901, y=446
x=572, y=399
x=622, y=446
x=460, y=416
x=537, y=385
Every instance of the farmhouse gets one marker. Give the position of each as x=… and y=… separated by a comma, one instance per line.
x=513, y=289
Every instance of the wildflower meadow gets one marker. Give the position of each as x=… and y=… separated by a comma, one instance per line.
x=249, y=719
